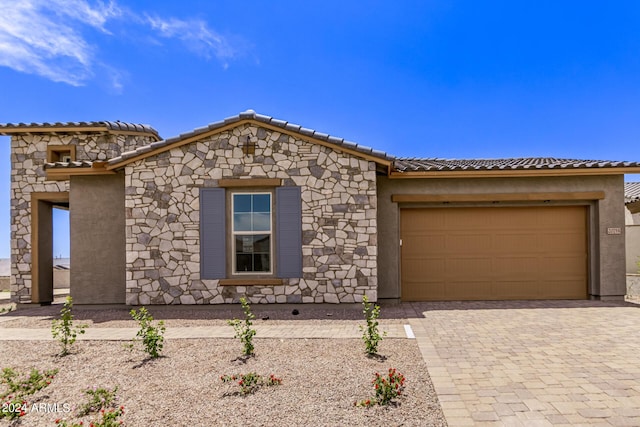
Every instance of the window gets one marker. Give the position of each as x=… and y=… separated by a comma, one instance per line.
x=251, y=231
x=262, y=231
x=61, y=153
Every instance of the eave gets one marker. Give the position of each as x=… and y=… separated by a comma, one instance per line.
x=64, y=174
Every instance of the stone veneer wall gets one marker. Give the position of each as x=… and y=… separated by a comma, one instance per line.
x=28, y=156
x=338, y=219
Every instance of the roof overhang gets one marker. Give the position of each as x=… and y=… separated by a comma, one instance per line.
x=634, y=206
x=65, y=173
x=105, y=128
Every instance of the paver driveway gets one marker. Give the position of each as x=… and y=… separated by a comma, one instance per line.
x=533, y=363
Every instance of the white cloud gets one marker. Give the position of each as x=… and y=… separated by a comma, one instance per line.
x=32, y=42
x=196, y=35
x=45, y=37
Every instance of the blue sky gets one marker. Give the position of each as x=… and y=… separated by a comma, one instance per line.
x=453, y=79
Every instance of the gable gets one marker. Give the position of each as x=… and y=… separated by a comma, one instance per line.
x=263, y=124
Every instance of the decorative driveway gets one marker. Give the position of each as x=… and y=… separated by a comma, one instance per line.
x=533, y=363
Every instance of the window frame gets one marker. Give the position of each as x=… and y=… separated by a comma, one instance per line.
x=232, y=233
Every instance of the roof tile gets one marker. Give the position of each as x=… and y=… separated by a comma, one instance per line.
x=8, y=128
x=411, y=164
x=631, y=192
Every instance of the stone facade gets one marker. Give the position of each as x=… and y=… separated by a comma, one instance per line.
x=338, y=219
x=28, y=157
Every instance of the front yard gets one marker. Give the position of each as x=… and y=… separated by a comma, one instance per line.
x=321, y=378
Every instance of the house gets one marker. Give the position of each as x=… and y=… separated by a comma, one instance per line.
x=259, y=207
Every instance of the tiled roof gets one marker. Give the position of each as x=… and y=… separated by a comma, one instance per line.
x=58, y=127
x=433, y=164
x=631, y=192
x=250, y=114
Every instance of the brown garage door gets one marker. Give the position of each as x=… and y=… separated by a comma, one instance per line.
x=494, y=253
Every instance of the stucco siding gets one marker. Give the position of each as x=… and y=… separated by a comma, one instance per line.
x=97, y=222
x=606, y=263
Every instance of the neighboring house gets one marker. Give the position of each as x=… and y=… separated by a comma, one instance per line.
x=632, y=225
x=259, y=207
x=5, y=272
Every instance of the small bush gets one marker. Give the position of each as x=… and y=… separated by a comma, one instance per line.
x=63, y=329
x=244, y=331
x=251, y=381
x=152, y=336
x=22, y=385
x=99, y=398
x=18, y=388
x=387, y=388
x=108, y=418
x=371, y=336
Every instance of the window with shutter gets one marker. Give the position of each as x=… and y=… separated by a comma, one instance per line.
x=257, y=239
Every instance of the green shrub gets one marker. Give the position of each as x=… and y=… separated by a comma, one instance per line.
x=371, y=336
x=152, y=336
x=99, y=398
x=387, y=388
x=18, y=388
x=250, y=382
x=244, y=331
x=63, y=329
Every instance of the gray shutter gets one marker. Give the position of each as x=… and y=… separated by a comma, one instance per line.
x=289, y=232
x=213, y=242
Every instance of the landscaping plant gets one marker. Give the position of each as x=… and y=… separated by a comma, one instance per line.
x=371, y=336
x=251, y=381
x=387, y=388
x=99, y=399
x=108, y=418
x=18, y=388
x=152, y=336
x=63, y=329
x=244, y=331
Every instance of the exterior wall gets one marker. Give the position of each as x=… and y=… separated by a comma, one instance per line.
x=607, y=269
x=97, y=223
x=632, y=218
x=632, y=221
x=633, y=248
x=61, y=278
x=28, y=156
x=338, y=220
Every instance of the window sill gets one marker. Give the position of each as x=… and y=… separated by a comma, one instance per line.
x=250, y=282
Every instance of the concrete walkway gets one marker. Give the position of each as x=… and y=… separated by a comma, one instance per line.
x=494, y=363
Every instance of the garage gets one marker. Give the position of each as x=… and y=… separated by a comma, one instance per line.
x=494, y=253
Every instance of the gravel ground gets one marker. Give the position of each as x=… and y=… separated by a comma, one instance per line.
x=321, y=378
x=184, y=316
